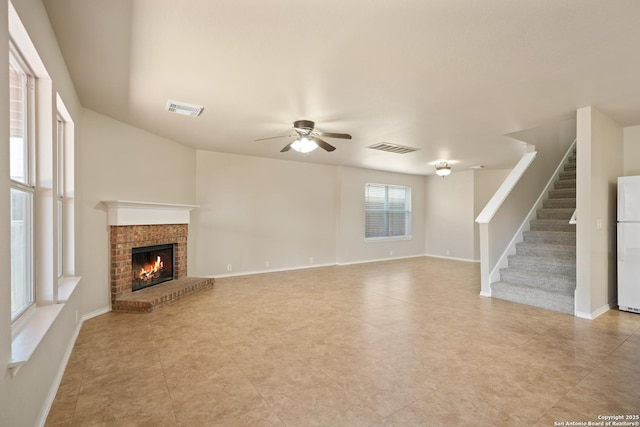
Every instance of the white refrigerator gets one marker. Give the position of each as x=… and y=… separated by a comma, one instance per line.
x=629, y=243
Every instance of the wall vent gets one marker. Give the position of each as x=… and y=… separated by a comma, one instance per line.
x=184, y=108
x=392, y=148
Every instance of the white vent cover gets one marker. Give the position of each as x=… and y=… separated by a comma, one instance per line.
x=184, y=108
x=392, y=148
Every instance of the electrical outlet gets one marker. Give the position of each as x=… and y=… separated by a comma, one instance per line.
x=229, y=267
x=266, y=264
x=448, y=252
x=391, y=252
x=311, y=260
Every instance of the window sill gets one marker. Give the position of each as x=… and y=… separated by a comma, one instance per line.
x=66, y=286
x=24, y=344
x=35, y=327
x=387, y=239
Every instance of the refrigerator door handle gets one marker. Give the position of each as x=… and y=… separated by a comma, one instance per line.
x=621, y=198
x=621, y=245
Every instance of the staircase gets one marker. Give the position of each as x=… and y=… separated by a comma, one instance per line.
x=542, y=273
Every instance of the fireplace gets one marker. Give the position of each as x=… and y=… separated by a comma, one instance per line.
x=151, y=265
x=149, y=255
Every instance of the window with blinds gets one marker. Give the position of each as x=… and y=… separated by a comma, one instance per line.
x=387, y=211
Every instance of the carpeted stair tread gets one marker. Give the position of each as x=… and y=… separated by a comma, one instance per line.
x=538, y=279
x=559, y=203
x=552, y=225
x=555, y=213
x=544, y=249
x=565, y=183
x=547, y=264
x=568, y=175
x=553, y=237
x=551, y=300
x=562, y=193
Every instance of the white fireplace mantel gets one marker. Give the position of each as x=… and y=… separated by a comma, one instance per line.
x=125, y=212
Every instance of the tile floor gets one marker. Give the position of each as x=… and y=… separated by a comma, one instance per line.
x=397, y=343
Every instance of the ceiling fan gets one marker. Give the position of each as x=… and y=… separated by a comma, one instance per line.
x=308, y=139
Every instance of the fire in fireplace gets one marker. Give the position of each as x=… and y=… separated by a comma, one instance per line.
x=151, y=265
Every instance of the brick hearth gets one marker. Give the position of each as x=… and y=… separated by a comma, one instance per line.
x=126, y=237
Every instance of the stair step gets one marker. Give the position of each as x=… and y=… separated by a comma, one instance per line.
x=555, y=213
x=565, y=183
x=562, y=193
x=538, y=279
x=570, y=166
x=567, y=238
x=559, y=203
x=551, y=225
x=545, y=249
x=544, y=264
x=568, y=174
x=562, y=302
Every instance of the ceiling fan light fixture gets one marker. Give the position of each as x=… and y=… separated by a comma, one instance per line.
x=443, y=169
x=304, y=145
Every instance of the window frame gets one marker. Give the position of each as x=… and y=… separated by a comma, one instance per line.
x=17, y=61
x=387, y=211
x=60, y=196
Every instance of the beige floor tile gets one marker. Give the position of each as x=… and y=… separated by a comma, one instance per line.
x=399, y=343
x=324, y=406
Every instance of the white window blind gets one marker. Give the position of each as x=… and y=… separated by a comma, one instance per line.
x=387, y=211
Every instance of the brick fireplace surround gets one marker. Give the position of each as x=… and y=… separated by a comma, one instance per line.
x=126, y=237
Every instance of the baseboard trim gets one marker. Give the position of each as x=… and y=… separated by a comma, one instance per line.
x=96, y=313
x=594, y=314
x=271, y=270
x=452, y=258
x=378, y=260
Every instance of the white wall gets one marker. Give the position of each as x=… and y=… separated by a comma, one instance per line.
x=120, y=162
x=600, y=162
x=449, y=206
x=631, y=149
x=25, y=398
x=255, y=210
x=352, y=247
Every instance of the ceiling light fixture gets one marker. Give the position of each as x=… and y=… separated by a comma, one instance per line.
x=304, y=145
x=443, y=169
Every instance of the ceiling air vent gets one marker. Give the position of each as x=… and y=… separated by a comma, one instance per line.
x=392, y=148
x=184, y=108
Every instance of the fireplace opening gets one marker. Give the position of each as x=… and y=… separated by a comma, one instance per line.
x=151, y=265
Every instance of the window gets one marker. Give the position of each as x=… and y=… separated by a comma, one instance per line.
x=59, y=184
x=22, y=185
x=387, y=211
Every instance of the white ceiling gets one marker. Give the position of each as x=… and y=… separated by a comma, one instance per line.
x=450, y=77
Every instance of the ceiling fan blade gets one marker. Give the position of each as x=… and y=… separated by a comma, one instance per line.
x=323, y=144
x=286, y=148
x=274, y=137
x=335, y=135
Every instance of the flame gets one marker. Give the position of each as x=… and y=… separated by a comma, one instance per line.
x=149, y=271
